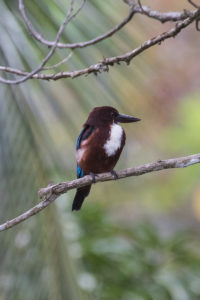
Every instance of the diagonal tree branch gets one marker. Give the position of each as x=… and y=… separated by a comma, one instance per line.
x=103, y=65
x=134, y=8
x=51, y=193
x=68, y=18
x=163, y=17
x=188, y=17
x=99, y=38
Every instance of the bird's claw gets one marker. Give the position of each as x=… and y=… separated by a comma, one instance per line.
x=93, y=177
x=114, y=174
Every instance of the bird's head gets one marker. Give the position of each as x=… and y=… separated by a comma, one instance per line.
x=106, y=115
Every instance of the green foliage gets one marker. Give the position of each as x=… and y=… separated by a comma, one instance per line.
x=183, y=133
x=136, y=261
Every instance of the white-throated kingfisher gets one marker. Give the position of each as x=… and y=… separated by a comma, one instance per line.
x=99, y=146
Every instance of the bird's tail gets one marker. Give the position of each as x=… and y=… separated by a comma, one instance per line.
x=81, y=194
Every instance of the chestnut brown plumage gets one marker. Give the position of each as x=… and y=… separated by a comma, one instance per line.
x=99, y=145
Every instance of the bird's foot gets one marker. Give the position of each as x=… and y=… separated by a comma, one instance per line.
x=93, y=177
x=114, y=174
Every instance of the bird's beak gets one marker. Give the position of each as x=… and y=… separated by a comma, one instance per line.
x=126, y=119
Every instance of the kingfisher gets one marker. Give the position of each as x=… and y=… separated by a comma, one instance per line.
x=99, y=146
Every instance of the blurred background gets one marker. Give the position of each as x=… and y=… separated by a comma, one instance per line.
x=136, y=239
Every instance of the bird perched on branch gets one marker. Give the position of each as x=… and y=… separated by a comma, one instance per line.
x=99, y=146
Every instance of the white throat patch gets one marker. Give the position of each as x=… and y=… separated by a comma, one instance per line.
x=114, y=141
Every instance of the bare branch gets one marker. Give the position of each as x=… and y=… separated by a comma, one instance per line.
x=68, y=18
x=59, y=63
x=193, y=4
x=162, y=17
x=39, y=37
x=104, y=64
x=198, y=19
x=51, y=193
x=140, y=5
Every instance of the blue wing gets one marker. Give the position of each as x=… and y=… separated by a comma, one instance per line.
x=80, y=172
x=84, y=134
x=78, y=142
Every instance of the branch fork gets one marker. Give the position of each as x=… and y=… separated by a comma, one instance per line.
x=183, y=19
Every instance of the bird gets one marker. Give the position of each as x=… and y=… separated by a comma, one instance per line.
x=99, y=146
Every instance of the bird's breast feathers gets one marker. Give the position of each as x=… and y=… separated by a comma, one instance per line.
x=114, y=141
x=92, y=147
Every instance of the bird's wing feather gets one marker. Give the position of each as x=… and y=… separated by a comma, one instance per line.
x=84, y=134
x=78, y=142
x=80, y=172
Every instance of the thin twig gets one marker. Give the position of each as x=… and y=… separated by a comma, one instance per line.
x=97, y=39
x=104, y=64
x=58, y=64
x=51, y=193
x=198, y=19
x=171, y=16
x=162, y=17
x=68, y=18
x=140, y=5
x=193, y=4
